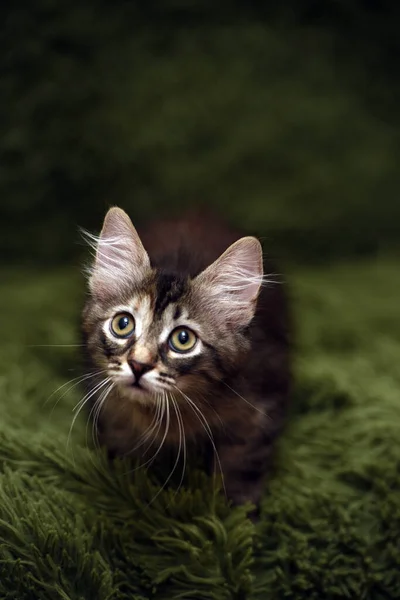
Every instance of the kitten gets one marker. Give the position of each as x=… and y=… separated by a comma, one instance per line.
x=188, y=334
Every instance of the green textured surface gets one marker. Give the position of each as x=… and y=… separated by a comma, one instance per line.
x=72, y=528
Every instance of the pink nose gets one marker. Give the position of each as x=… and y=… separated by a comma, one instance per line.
x=138, y=368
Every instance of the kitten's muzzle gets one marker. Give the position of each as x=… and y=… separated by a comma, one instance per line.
x=139, y=368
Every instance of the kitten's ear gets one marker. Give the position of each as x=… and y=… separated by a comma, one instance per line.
x=120, y=257
x=232, y=283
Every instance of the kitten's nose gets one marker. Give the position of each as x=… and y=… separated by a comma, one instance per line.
x=139, y=368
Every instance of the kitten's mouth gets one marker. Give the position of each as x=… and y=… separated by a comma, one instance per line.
x=137, y=385
x=138, y=390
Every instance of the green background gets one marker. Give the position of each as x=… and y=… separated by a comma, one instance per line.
x=284, y=118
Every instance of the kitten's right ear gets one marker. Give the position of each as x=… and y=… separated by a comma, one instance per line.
x=120, y=257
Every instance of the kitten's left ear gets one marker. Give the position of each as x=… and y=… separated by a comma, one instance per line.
x=120, y=256
x=232, y=283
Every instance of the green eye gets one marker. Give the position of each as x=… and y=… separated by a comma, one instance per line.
x=182, y=340
x=122, y=325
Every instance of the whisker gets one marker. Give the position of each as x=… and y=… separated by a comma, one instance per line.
x=175, y=463
x=156, y=427
x=203, y=421
x=82, y=403
x=97, y=407
x=181, y=432
x=90, y=393
x=159, y=418
x=244, y=399
x=100, y=403
x=78, y=380
x=54, y=345
x=165, y=411
x=146, y=434
x=214, y=411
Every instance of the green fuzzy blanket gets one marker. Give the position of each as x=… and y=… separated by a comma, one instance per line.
x=72, y=527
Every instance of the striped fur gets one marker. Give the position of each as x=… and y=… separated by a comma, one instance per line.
x=230, y=391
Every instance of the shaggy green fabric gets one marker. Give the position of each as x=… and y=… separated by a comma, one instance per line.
x=72, y=527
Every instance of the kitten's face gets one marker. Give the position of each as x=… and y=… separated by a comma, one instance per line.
x=157, y=334
x=148, y=346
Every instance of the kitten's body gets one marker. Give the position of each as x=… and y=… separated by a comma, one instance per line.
x=239, y=379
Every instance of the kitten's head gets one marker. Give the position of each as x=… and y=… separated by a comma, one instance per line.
x=153, y=331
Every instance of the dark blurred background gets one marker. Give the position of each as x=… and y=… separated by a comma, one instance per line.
x=282, y=115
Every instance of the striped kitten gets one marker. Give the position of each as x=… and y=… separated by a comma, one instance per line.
x=190, y=339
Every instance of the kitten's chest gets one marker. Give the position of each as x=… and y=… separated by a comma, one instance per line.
x=130, y=428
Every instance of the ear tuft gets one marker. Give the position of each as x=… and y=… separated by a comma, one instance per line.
x=232, y=283
x=120, y=258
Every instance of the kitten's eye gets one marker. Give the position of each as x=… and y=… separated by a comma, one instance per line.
x=182, y=340
x=122, y=325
